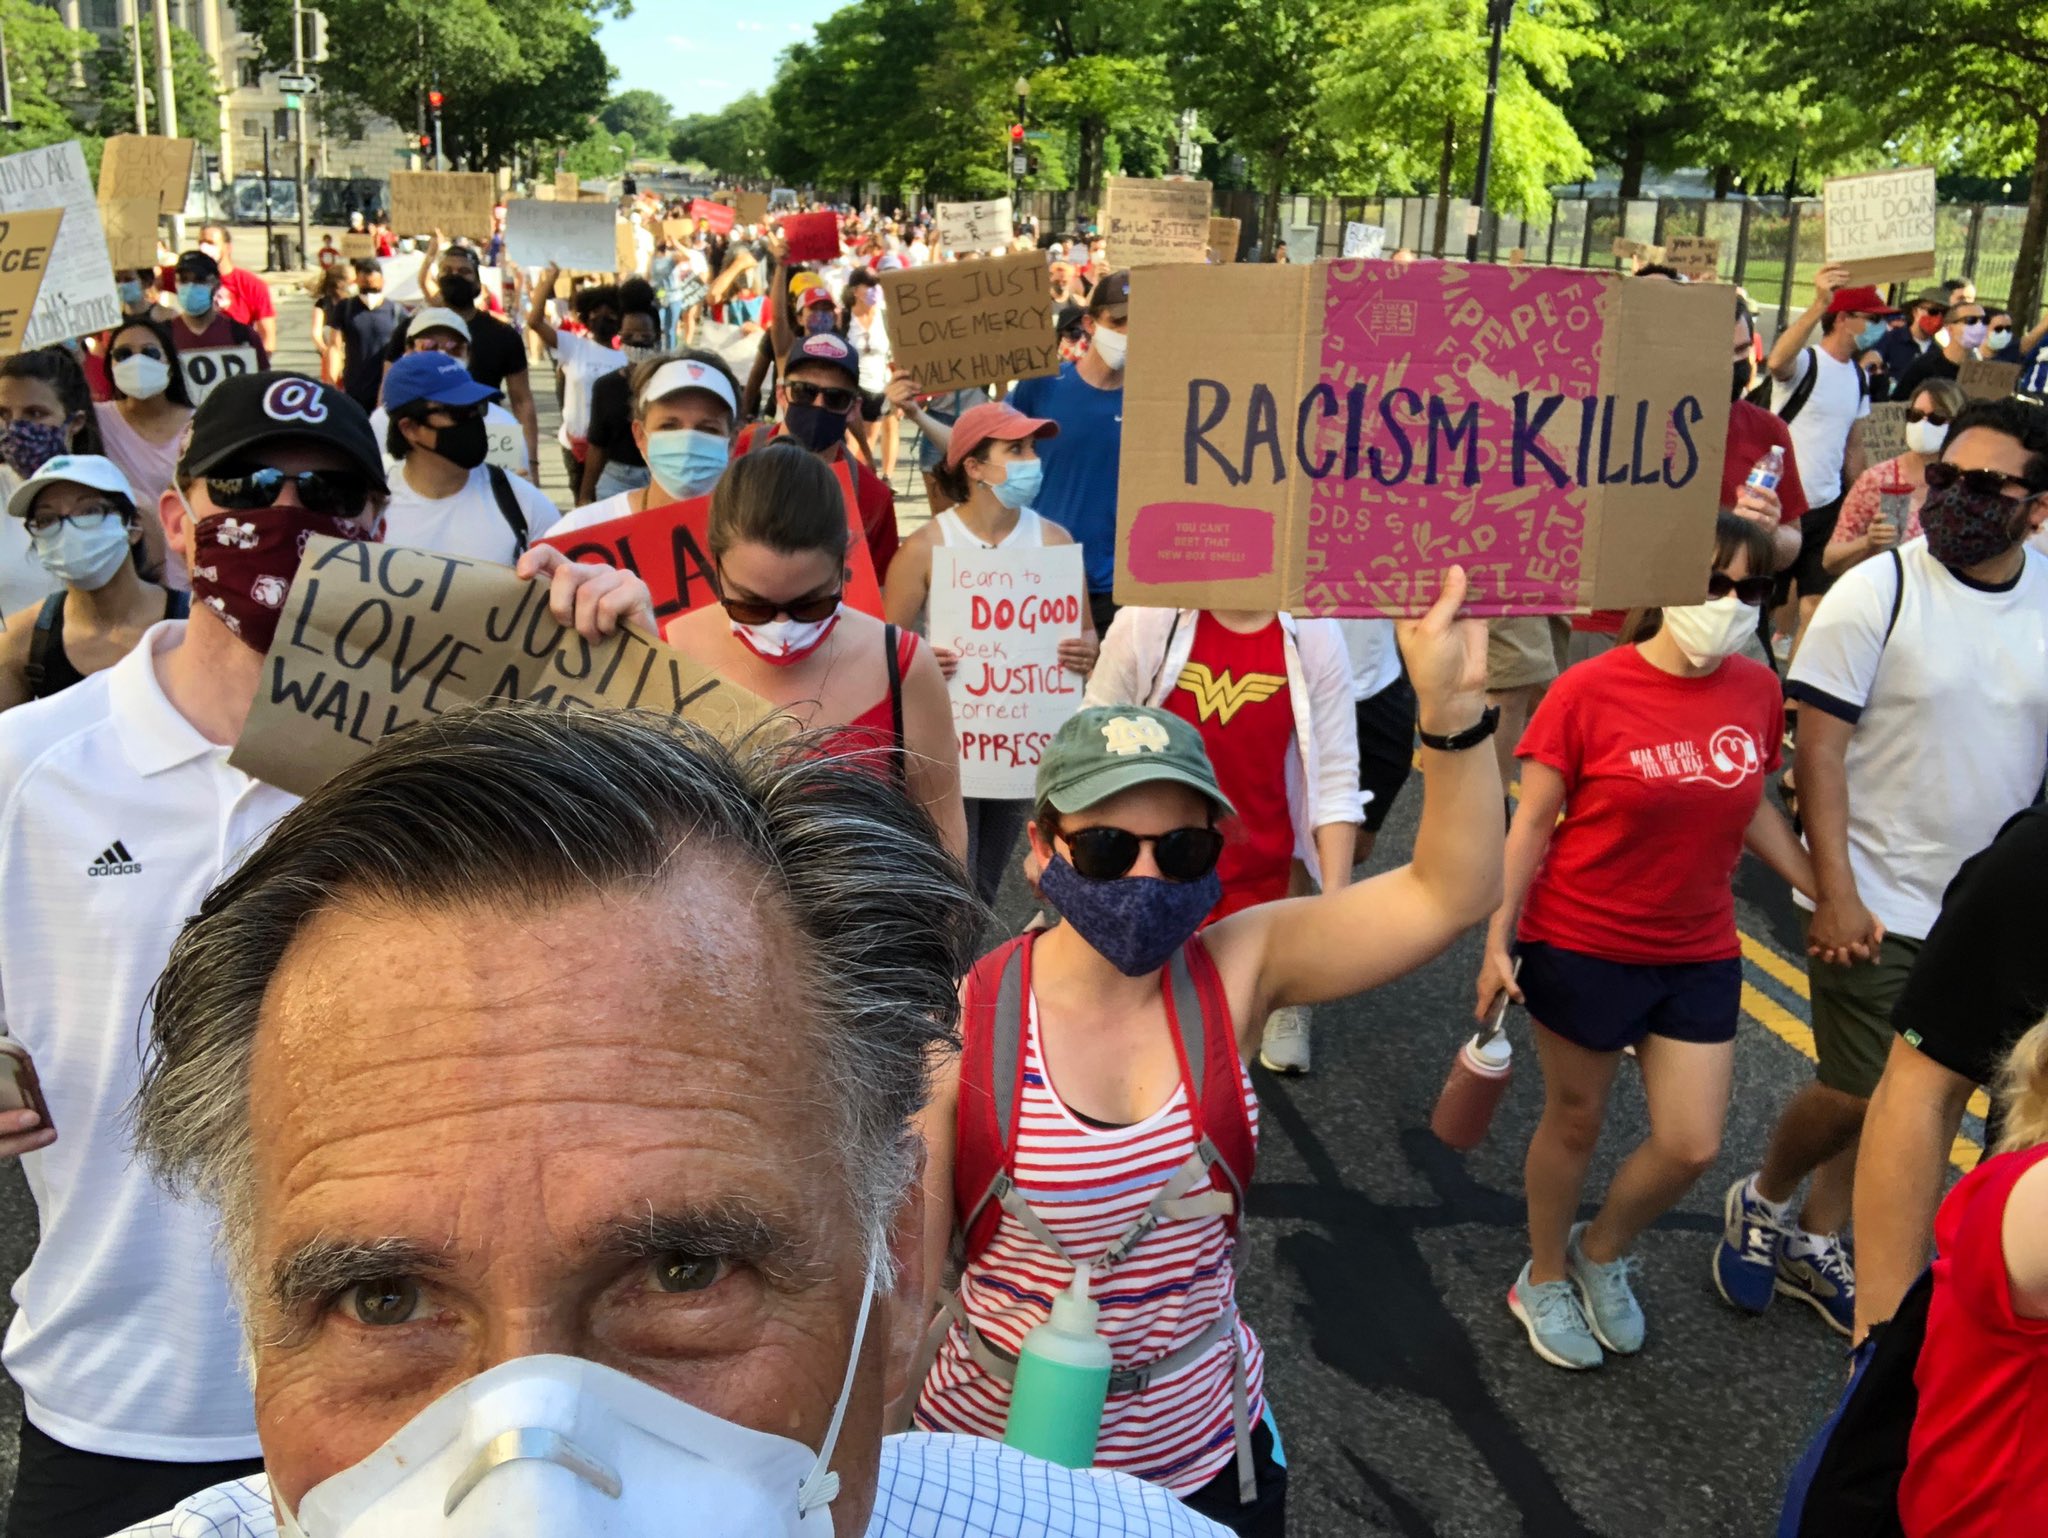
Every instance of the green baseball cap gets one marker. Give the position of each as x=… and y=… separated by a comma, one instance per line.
x=1104, y=749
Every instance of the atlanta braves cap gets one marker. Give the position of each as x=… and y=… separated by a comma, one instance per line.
x=245, y=410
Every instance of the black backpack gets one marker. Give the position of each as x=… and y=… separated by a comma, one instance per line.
x=508, y=505
x=1803, y=390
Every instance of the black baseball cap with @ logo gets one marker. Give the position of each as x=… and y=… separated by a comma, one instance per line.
x=245, y=411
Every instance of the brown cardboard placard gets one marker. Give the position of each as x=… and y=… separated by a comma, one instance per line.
x=131, y=226
x=1331, y=437
x=1984, y=380
x=1224, y=238
x=568, y=187
x=625, y=246
x=356, y=247
x=750, y=207
x=147, y=166
x=1884, y=431
x=1638, y=251
x=1147, y=222
x=544, y=192
x=678, y=231
x=26, y=241
x=1694, y=257
x=375, y=637
x=986, y=321
x=453, y=202
x=1880, y=225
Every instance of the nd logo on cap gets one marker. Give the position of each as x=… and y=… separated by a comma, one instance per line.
x=1125, y=735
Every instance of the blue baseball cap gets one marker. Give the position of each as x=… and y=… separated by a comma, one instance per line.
x=432, y=376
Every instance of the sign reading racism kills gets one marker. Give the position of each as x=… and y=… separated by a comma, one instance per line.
x=1335, y=435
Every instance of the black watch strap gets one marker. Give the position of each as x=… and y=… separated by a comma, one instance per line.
x=1470, y=737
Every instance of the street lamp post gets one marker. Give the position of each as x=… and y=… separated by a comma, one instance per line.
x=1017, y=150
x=1498, y=14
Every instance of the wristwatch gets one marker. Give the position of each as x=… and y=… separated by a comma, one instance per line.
x=1470, y=737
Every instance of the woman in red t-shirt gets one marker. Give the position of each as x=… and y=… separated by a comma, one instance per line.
x=1977, y=1462
x=1623, y=917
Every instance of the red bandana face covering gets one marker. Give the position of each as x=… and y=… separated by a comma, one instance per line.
x=244, y=564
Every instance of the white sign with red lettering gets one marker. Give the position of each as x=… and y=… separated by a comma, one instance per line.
x=1005, y=613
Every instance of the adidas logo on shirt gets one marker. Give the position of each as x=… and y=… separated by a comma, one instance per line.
x=115, y=860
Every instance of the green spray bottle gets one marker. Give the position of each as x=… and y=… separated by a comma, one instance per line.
x=1062, y=1382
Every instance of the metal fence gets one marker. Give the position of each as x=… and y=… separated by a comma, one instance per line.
x=1770, y=246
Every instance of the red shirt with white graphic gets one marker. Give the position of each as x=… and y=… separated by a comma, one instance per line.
x=1233, y=690
x=1662, y=775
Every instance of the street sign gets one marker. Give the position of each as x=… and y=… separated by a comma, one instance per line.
x=1036, y=134
x=297, y=83
x=1017, y=165
x=1190, y=157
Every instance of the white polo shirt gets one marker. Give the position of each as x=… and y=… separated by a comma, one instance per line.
x=116, y=818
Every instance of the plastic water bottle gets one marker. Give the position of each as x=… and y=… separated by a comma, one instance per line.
x=1765, y=473
x=1472, y=1093
x=1062, y=1382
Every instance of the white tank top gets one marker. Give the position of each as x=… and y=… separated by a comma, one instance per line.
x=1029, y=533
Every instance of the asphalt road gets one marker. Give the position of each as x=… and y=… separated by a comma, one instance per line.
x=1407, y=1397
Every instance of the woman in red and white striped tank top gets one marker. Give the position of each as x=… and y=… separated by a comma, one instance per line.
x=1099, y=1102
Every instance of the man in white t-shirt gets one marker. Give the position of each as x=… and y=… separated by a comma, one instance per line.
x=1824, y=397
x=445, y=498
x=441, y=330
x=1922, y=689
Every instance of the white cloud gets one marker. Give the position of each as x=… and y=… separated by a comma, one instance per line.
x=750, y=26
x=799, y=28
x=681, y=44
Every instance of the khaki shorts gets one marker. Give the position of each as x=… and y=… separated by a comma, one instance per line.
x=1852, y=1014
x=1525, y=651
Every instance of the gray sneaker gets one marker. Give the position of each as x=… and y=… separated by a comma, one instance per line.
x=1558, y=1331
x=1284, y=1046
x=1611, y=1307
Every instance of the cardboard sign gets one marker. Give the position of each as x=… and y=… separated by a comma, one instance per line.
x=678, y=231
x=131, y=230
x=147, y=166
x=453, y=202
x=1640, y=253
x=1884, y=431
x=750, y=207
x=77, y=296
x=203, y=368
x=1986, y=381
x=1145, y=223
x=987, y=321
x=1880, y=225
x=575, y=237
x=973, y=229
x=1005, y=612
x=544, y=192
x=717, y=217
x=625, y=247
x=377, y=637
x=669, y=548
x=811, y=237
x=568, y=187
x=1224, y=238
x=1696, y=258
x=1364, y=240
x=27, y=242
x=357, y=247
x=1359, y=426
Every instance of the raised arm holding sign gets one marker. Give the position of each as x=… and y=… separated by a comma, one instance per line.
x=1880, y=226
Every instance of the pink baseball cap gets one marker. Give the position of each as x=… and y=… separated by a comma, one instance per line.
x=994, y=419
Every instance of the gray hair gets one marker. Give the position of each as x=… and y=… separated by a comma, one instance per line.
x=525, y=805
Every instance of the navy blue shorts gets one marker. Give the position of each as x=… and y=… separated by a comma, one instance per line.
x=1604, y=1006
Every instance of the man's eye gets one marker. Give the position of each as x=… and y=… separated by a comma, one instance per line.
x=395, y=1300
x=686, y=1273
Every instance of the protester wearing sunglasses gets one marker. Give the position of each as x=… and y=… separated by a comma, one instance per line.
x=142, y=423
x=1882, y=510
x=778, y=535
x=1125, y=1164
x=1923, y=726
x=1622, y=915
x=122, y=810
x=818, y=400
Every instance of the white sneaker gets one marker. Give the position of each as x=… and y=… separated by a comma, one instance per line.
x=1284, y=1046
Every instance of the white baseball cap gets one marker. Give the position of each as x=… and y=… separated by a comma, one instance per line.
x=436, y=318
x=93, y=470
x=680, y=374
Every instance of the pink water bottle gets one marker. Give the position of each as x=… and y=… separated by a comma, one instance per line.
x=1477, y=1084
x=1766, y=472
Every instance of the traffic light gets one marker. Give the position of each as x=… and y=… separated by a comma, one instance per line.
x=316, y=37
x=426, y=144
x=1016, y=133
x=434, y=100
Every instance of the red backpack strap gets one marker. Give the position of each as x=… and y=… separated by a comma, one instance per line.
x=1206, y=1038
x=991, y=1086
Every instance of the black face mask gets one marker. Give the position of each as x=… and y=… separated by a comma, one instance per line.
x=814, y=427
x=460, y=290
x=604, y=329
x=465, y=445
x=1743, y=371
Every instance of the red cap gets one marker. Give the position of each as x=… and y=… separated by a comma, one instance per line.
x=994, y=419
x=810, y=298
x=1859, y=301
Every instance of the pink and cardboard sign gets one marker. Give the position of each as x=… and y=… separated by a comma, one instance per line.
x=717, y=217
x=1360, y=426
x=811, y=237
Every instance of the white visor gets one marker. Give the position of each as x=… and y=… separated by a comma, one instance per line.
x=680, y=374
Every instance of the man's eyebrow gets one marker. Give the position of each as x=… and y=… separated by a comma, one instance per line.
x=323, y=1266
x=729, y=1229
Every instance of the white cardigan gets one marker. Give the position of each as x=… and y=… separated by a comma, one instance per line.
x=1141, y=661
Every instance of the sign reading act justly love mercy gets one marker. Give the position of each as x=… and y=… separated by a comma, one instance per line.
x=1005, y=611
x=1332, y=437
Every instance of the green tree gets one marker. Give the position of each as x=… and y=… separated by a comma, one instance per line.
x=731, y=142
x=1104, y=78
x=193, y=83
x=41, y=54
x=646, y=115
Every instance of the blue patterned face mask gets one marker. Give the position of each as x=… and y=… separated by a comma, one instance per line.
x=1136, y=922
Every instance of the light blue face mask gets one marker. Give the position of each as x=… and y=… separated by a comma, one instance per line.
x=685, y=462
x=195, y=299
x=1020, y=487
x=131, y=294
x=1870, y=335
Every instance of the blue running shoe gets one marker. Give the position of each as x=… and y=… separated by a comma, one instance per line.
x=1746, y=1258
x=1816, y=1269
x=1556, y=1323
x=1610, y=1303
